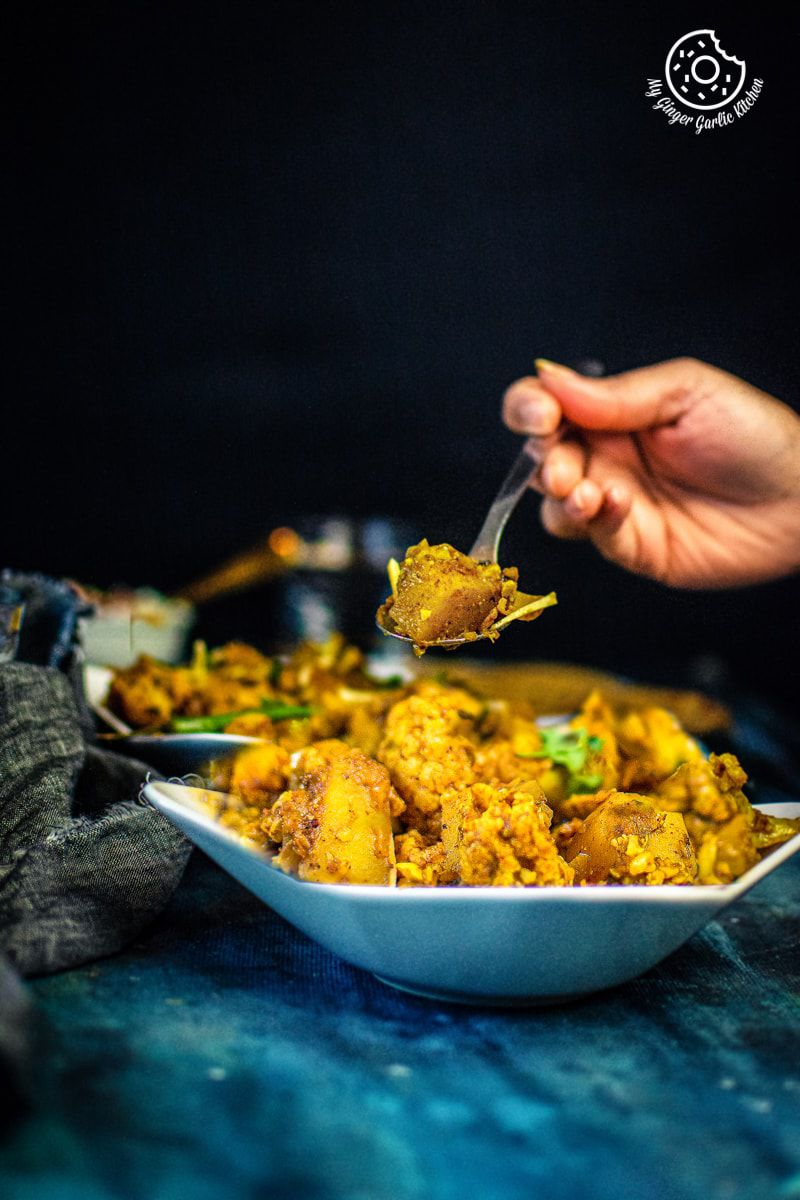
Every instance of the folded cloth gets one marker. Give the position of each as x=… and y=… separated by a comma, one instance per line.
x=83, y=865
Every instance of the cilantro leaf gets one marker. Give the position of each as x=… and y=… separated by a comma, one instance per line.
x=570, y=748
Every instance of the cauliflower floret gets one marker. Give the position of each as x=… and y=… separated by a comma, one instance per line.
x=508, y=756
x=149, y=693
x=597, y=717
x=260, y=774
x=653, y=744
x=504, y=839
x=711, y=788
x=726, y=831
x=427, y=750
x=420, y=861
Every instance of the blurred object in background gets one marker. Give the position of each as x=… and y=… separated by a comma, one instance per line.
x=322, y=574
x=280, y=552
x=12, y=613
x=127, y=622
x=591, y=366
x=340, y=580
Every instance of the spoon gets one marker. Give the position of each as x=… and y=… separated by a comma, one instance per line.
x=486, y=545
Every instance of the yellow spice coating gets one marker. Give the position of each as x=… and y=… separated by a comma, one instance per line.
x=420, y=861
x=506, y=840
x=727, y=832
x=654, y=744
x=259, y=774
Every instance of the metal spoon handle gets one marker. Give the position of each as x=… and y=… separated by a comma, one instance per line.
x=513, y=488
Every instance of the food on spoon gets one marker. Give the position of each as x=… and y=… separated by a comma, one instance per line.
x=334, y=824
x=441, y=595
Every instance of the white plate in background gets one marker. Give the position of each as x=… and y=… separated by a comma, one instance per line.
x=169, y=753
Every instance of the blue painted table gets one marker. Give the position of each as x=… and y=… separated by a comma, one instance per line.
x=225, y=1055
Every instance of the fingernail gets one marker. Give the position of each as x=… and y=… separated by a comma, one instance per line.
x=537, y=418
x=577, y=501
x=616, y=497
x=544, y=364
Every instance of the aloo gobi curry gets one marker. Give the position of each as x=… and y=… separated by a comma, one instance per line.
x=440, y=595
x=432, y=783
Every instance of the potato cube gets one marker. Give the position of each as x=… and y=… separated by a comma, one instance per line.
x=335, y=823
x=444, y=594
x=627, y=840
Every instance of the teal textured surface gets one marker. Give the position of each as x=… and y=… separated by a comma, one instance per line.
x=226, y=1055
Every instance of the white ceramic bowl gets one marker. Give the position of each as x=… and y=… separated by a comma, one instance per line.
x=496, y=946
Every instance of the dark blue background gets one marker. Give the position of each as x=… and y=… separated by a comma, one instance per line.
x=271, y=261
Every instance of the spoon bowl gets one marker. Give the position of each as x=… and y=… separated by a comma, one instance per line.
x=443, y=644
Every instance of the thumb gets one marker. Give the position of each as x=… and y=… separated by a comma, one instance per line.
x=639, y=399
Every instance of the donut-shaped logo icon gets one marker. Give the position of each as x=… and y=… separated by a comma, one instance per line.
x=700, y=74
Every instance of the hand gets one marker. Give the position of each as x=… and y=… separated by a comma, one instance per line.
x=678, y=471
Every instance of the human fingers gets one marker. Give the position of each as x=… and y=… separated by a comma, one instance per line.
x=640, y=399
x=592, y=512
x=612, y=513
x=528, y=407
x=585, y=501
x=562, y=469
x=557, y=521
x=615, y=533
